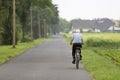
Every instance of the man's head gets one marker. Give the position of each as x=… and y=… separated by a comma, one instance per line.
x=77, y=31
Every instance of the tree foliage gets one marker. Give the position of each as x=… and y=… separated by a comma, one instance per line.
x=64, y=25
x=23, y=10
x=6, y=21
x=42, y=9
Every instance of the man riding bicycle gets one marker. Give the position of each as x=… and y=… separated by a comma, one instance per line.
x=76, y=41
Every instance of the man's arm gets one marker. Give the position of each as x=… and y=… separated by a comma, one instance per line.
x=71, y=41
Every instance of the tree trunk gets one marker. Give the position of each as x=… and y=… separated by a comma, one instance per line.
x=39, y=25
x=31, y=22
x=14, y=24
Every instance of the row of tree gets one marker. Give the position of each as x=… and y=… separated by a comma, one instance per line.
x=34, y=19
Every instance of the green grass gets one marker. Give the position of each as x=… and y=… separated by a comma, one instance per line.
x=112, y=54
x=7, y=52
x=99, y=67
x=99, y=42
x=105, y=44
x=101, y=55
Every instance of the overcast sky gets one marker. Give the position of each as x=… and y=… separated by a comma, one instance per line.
x=88, y=9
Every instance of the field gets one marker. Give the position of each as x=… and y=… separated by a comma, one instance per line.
x=101, y=55
x=105, y=44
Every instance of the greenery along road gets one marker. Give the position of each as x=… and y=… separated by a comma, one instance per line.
x=7, y=52
x=101, y=55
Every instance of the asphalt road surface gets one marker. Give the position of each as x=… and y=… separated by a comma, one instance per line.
x=51, y=60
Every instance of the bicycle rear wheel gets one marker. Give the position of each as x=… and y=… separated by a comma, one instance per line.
x=77, y=62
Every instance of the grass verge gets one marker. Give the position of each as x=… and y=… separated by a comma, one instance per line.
x=100, y=67
x=7, y=52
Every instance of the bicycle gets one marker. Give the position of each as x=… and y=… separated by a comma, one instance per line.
x=77, y=56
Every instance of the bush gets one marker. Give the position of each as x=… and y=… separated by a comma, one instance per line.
x=27, y=39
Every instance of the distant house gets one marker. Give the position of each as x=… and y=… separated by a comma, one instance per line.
x=85, y=30
x=114, y=28
x=96, y=25
x=97, y=30
x=83, y=25
x=104, y=24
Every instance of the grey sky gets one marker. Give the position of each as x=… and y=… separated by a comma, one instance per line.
x=88, y=9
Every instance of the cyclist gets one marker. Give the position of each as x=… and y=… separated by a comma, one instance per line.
x=76, y=41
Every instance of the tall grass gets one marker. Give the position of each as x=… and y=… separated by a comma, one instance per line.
x=99, y=42
x=111, y=36
x=102, y=39
x=105, y=44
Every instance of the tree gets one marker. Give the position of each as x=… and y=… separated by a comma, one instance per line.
x=23, y=11
x=14, y=23
x=54, y=20
x=41, y=9
x=47, y=12
x=6, y=11
x=64, y=25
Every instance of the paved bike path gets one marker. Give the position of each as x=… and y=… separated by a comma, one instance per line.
x=48, y=61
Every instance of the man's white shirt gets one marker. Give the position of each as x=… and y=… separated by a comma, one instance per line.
x=77, y=38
